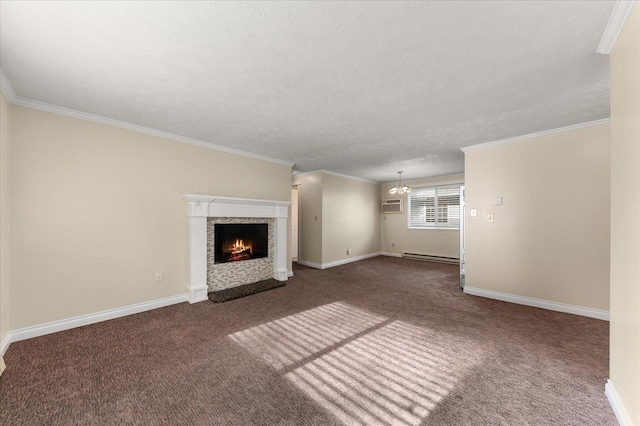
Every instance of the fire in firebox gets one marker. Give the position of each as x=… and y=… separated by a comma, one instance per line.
x=240, y=241
x=239, y=251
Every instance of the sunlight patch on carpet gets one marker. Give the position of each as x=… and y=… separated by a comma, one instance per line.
x=386, y=377
x=362, y=368
x=287, y=340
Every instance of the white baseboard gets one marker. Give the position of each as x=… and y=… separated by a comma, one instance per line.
x=4, y=344
x=79, y=321
x=539, y=303
x=338, y=262
x=289, y=274
x=616, y=404
x=309, y=264
x=349, y=260
x=388, y=253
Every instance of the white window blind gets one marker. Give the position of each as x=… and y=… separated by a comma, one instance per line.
x=435, y=207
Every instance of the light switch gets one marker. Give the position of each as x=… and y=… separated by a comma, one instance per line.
x=490, y=218
x=474, y=212
x=498, y=201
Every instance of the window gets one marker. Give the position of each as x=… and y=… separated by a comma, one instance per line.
x=435, y=207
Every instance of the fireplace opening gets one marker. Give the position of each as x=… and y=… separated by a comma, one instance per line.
x=240, y=241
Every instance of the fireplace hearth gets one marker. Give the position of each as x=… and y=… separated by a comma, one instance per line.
x=236, y=242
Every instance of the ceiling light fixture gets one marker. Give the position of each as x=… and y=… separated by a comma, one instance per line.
x=400, y=187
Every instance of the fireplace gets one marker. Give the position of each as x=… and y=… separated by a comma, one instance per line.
x=204, y=213
x=236, y=242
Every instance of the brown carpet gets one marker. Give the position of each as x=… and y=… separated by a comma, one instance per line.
x=381, y=341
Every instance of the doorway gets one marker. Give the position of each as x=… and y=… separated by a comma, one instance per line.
x=294, y=224
x=462, y=247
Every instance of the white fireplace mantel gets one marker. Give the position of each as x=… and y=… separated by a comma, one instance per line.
x=200, y=207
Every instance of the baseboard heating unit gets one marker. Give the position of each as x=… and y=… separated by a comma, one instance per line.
x=430, y=258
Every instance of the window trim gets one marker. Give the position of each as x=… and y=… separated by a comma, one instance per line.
x=457, y=184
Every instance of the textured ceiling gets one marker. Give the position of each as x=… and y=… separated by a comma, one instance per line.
x=363, y=89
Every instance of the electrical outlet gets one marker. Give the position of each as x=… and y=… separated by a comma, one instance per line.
x=159, y=276
x=474, y=212
x=348, y=251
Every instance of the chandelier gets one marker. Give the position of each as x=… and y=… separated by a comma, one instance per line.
x=400, y=187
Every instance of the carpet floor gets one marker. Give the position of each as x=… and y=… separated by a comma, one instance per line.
x=383, y=341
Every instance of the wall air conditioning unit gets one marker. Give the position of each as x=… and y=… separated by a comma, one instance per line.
x=392, y=206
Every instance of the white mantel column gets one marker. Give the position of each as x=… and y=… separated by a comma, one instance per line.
x=280, y=271
x=197, y=252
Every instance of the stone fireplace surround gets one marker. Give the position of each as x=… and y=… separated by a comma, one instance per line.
x=221, y=276
x=202, y=207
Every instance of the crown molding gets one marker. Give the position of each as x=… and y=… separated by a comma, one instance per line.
x=350, y=177
x=295, y=176
x=43, y=106
x=424, y=179
x=298, y=174
x=536, y=135
x=618, y=17
x=6, y=87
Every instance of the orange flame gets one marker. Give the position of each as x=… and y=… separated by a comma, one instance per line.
x=240, y=246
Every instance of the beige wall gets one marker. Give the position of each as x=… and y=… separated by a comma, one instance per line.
x=337, y=213
x=550, y=239
x=396, y=238
x=625, y=216
x=310, y=199
x=4, y=215
x=350, y=218
x=97, y=210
